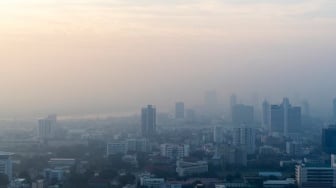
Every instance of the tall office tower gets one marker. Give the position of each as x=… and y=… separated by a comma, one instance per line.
x=305, y=108
x=294, y=120
x=211, y=103
x=210, y=98
x=218, y=134
x=329, y=139
x=245, y=137
x=266, y=115
x=179, y=110
x=285, y=119
x=148, y=121
x=334, y=109
x=6, y=165
x=190, y=115
x=242, y=114
x=47, y=126
x=277, y=119
x=233, y=101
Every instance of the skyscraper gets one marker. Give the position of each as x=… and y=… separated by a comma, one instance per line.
x=305, y=108
x=211, y=103
x=329, y=139
x=233, y=101
x=148, y=121
x=179, y=110
x=334, y=109
x=266, y=115
x=242, y=114
x=285, y=119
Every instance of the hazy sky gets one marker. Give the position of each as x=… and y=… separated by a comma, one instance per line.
x=96, y=56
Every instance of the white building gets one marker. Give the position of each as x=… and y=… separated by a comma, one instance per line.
x=279, y=183
x=245, y=137
x=116, y=148
x=147, y=180
x=315, y=176
x=175, y=151
x=6, y=164
x=188, y=168
x=47, y=127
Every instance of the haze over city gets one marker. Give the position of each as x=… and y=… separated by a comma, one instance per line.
x=110, y=56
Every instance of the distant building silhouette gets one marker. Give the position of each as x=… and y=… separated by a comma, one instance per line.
x=285, y=119
x=305, y=108
x=148, y=121
x=242, y=114
x=179, y=110
x=211, y=103
x=47, y=127
x=334, y=109
x=266, y=115
x=233, y=100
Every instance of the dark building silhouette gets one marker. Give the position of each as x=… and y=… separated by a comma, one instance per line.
x=285, y=119
x=334, y=109
x=242, y=114
x=305, y=108
x=294, y=119
x=277, y=118
x=211, y=107
x=179, y=110
x=266, y=115
x=329, y=139
x=148, y=121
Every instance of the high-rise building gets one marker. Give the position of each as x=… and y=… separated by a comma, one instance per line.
x=148, y=121
x=190, y=115
x=305, y=108
x=211, y=103
x=266, y=115
x=46, y=127
x=294, y=120
x=242, y=114
x=6, y=165
x=179, y=110
x=334, y=109
x=245, y=137
x=285, y=119
x=233, y=101
x=218, y=134
x=329, y=139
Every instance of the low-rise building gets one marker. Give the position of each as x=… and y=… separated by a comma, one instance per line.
x=279, y=183
x=149, y=181
x=189, y=168
x=116, y=148
x=174, y=151
x=315, y=176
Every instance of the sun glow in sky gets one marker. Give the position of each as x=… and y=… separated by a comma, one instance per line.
x=91, y=56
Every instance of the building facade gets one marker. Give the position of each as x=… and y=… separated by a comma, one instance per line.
x=148, y=121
